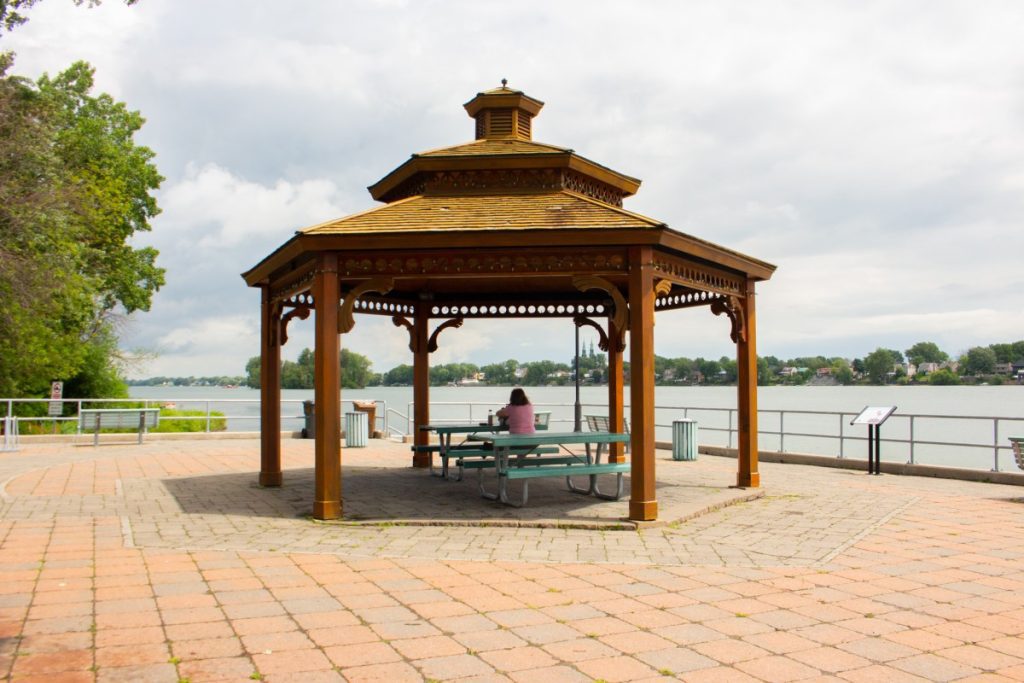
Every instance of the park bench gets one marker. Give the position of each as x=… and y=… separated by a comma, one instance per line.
x=525, y=468
x=1017, y=442
x=95, y=420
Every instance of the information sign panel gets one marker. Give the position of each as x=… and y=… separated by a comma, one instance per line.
x=873, y=415
x=56, y=394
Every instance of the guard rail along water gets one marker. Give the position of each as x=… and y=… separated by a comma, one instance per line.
x=977, y=442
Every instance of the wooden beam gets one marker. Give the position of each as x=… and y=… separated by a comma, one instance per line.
x=616, y=411
x=270, y=391
x=643, y=505
x=421, y=382
x=327, y=390
x=746, y=365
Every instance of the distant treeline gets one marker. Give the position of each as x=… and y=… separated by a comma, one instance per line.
x=922, y=363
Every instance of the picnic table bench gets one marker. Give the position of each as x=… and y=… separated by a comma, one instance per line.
x=117, y=418
x=470, y=454
x=525, y=467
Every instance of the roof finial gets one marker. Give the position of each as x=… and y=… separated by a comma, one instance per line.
x=504, y=83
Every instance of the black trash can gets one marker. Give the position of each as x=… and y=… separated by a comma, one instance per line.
x=308, y=412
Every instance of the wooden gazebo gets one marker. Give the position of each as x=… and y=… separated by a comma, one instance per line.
x=501, y=227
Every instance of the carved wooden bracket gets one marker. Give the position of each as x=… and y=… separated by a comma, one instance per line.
x=620, y=315
x=346, y=321
x=602, y=341
x=732, y=307
x=401, y=321
x=453, y=322
x=301, y=312
x=663, y=287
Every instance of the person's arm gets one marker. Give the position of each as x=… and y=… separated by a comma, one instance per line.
x=502, y=412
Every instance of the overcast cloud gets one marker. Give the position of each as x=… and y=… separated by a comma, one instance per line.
x=874, y=151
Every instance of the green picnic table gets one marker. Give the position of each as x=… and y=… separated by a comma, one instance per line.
x=569, y=465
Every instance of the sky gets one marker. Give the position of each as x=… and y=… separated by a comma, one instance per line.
x=873, y=151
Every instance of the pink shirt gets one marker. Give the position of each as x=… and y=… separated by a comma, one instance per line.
x=520, y=418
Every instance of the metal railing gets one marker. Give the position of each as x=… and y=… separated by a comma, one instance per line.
x=953, y=440
x=236, y=413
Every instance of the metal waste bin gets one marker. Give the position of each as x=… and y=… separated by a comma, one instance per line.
x=308, y=413
x=684, y=439
x=357, y=427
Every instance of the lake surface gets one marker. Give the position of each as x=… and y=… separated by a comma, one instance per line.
x=824, y=412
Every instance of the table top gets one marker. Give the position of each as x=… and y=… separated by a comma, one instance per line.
x=467, y=428
x=543, y=438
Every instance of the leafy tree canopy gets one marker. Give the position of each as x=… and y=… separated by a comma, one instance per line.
x=11, y=11
x=926, y=352
x=74, y=189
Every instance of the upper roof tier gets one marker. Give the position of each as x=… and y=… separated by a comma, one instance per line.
x=501, y=159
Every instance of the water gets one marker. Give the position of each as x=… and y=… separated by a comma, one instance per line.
x=948, y=403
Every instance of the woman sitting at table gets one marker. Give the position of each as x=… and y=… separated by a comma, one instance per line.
x=518, y=414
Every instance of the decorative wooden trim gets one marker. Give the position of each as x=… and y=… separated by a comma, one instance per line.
x=300, y=312
x=400, y=321
x=688, y=299
x=732, y=307
x=620, y=312
x=602, y=338
x=489, y=262
x=696, y=276
x=294, y=283
x=432, y=344
x=662, y=287
x=381, y=285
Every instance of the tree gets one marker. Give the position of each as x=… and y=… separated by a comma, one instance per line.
x=11, y=10
x=74, y=189
x=979, y=360
x=300, y=374
x=943, y=376
x=926, y=352
x=879, y=364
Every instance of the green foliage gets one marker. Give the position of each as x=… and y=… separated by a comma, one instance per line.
x=943, y=376
x=879, y=364
x=218, y=423
x=926, y=352
x=74, y=189
x=979, y=360
x=355, y=371
x=11, y=11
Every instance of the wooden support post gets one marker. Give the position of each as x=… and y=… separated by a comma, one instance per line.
x=421, y=383
x=327, y=390
x=642, y=504
x=746, y=366
x=616, y=413
x=270, y=393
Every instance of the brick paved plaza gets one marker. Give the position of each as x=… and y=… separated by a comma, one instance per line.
x=165, y=562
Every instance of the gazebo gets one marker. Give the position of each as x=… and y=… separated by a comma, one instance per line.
x=502, y=227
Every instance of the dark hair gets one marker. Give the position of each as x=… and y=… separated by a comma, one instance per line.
x=518, y=398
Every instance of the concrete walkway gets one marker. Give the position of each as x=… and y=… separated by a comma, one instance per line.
x=164, y=562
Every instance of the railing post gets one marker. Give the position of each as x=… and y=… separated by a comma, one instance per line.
x=408, y=418
x=782, y=431
x=729, y=431
x=78, y=429
x=995, y=444
x=842, y=438
x=207, y=417
x=911, y=461
x=384, y=414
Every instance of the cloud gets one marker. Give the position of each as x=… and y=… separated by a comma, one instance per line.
x=871, y=150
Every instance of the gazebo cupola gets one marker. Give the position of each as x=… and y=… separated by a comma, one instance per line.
x=503, y=113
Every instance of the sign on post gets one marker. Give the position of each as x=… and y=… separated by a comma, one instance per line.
x=56, y=394
x=873, y=417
